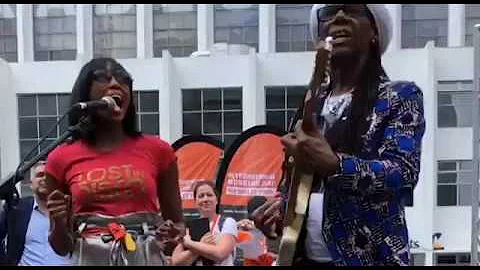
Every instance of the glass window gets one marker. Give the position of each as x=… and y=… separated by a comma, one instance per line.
x=8, y=32
x=27, y=105
x=212, y=99
x=461, y=259
x=148, y=116
x=192, y=100
x=418, y=259
x=38, y=114
x=454, y=104
x=293, y=34
x=422, y=23
x=192, y=123
x=282, y=103
x=454, y=183
x=232, y=99
x=174, y=29
x=472, y=17
x=115, y=30
x=236, y=24
x=54, y=27
x=47, y=105
x=216, y=112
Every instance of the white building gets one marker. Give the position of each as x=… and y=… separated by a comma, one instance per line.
x=233, y=89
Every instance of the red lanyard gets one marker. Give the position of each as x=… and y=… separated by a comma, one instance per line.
x=263, y=242
x=215, y=224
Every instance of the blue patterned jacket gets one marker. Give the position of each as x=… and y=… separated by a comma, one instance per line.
x=364, y=216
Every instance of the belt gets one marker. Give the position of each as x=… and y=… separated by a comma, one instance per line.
x=121, y=232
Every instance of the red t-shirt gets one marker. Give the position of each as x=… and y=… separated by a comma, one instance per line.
x=114, y=183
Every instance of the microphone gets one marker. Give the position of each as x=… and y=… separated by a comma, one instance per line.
x=103, y=103
x=254, y=203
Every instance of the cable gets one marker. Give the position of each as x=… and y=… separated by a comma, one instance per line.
x=44, y=137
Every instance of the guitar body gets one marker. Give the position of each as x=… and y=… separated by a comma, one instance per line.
x=300, y=188
x=300, y=181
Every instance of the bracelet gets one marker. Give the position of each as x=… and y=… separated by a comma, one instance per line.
x=339, y=167
x=338, y=170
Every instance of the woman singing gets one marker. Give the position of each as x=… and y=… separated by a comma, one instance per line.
x=117, y=178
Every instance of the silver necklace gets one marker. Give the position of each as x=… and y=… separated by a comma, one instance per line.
x=334, y=106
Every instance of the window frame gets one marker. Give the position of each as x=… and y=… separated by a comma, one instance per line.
x=453, y=87
x=114, y=49
x=50, y=51
x=458, y=184
x=286, y=109
x=219, y=135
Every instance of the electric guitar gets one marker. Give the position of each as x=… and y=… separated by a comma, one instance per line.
x=299, y=180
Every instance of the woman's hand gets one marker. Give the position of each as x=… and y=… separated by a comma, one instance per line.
x=58, y=208
x=59, y=211
x=208, y=238
x=60, y=235
x=187, y=240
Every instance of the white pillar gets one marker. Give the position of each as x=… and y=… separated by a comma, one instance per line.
x=84, y=32
x=456, y=25
x=250, y=94
x=170, y=100
x=266, y=28
x=426, y=190
x=25, y=32
x=144, y=31
x=9, y=145
x=395, y=11
x=205, y=26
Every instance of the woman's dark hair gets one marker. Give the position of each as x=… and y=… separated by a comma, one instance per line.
x=81, y=93
x=204, y=183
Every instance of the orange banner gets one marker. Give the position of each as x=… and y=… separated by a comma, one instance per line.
x=254, y=170
x=197, y=161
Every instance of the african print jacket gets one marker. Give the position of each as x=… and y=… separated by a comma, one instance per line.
x=364, y=216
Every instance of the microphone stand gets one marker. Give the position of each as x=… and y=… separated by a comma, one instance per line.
x=8, y=192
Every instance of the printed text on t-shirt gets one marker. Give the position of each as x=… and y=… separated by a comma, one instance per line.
x=112, y=183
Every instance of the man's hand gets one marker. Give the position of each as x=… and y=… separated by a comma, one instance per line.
x=311, y=151
x=246, y=225
x=169, y=231
x=268, y=216
x=168, y=235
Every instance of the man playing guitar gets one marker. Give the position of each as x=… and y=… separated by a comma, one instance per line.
x=363, y=152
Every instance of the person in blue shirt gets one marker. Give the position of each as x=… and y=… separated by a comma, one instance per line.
x=364, y=153
x=24, y=230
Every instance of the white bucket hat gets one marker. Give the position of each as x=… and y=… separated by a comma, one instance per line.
x=383, y=21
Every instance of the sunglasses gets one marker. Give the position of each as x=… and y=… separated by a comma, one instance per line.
x=327, y=13
x=102, y=76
